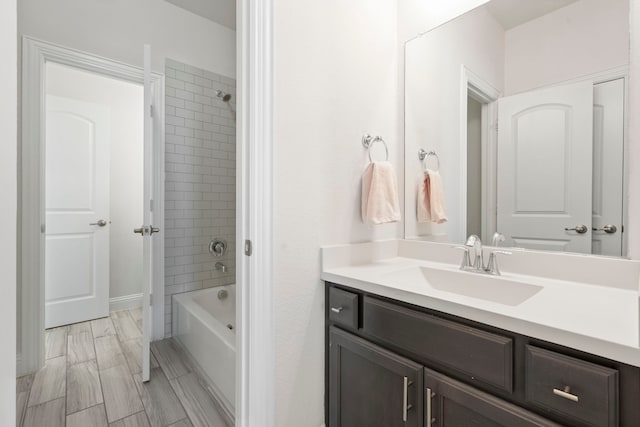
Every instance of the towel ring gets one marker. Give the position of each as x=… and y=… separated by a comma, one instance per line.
x=422, y=155
x=368, y=141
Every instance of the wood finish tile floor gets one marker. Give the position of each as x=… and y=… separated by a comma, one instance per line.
x=91, y=378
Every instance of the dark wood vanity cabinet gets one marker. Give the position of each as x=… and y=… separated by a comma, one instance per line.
x=393, y=364
x=370, y=386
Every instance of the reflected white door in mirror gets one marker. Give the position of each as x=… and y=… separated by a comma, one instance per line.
x=547, y=169
x=560, y=174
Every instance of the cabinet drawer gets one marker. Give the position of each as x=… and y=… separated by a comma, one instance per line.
x=579, y=390
x=478, y=355
x=343, y=308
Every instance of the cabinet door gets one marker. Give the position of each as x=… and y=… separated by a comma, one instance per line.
x=450, y=403
x=370, y=386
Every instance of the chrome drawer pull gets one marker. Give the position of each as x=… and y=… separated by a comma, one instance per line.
x=405, y=399
x=565, y=393
x=430, y=395
x=337, y=310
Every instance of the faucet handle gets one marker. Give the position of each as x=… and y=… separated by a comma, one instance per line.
x=466, y=260
x=492, y=265
x=497, y=239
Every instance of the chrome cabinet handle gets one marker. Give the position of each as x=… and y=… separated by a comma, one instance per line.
x=566, y=394
x=405, y=399
x=100, y=223
x=430, y=419
x=337, y=309
x=580, y=229
x=609, y=228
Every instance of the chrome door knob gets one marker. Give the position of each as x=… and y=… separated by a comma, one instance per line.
x=140, y=230
x=580, y=229
x=609, y=228
x=100, y=223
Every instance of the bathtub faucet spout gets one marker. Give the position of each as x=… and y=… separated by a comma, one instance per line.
x=220, y=266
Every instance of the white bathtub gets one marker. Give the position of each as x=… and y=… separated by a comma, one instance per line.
x=205, y=325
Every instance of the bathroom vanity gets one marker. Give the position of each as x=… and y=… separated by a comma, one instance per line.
x=402, y=350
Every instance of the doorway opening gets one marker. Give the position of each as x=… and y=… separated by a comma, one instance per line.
x=93, y=195
x=478, y=113
x=85, y=179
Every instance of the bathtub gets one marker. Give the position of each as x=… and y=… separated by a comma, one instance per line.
x=205, y=326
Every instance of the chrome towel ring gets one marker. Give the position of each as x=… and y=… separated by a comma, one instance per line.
x=422, y=155
x=368, y=141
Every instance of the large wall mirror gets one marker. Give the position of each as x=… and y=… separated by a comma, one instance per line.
x=522, y=107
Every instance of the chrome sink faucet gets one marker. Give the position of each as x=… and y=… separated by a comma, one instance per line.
x=474, y=242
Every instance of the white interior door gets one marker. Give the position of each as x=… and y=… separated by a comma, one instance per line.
x=608, y=167
x=147, y=228
x=77, y=141
x=545, y=140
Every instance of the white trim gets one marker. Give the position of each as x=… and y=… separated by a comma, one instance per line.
x=125, y=302
x=18, y=363
x=255, y=379
x=35, y=54
x=485, y=93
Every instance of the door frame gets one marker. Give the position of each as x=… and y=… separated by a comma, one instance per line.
x=255, y=339
x=482, y=91
x=35, y=54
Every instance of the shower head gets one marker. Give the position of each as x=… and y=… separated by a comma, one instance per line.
x=223, y=95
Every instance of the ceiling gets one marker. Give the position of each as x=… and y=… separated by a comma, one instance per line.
x=222, y=12
x=511, y=13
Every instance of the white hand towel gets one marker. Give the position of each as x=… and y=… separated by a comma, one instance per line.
x=380, y=194
x=431, y=198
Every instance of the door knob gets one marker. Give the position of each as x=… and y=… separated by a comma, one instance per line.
x=100, y=223
x=153, y=230
x=609, y=228
x=140, y=230
x=580, y=229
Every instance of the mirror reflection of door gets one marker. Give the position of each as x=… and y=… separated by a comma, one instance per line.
x=523, y=49
x=560, y=157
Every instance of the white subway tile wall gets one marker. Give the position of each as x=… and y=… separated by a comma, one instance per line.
x=200, y=183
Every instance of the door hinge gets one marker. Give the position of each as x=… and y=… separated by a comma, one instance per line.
x=248, y=247
x=151, y=110
x=150, y=300
x=151, y=205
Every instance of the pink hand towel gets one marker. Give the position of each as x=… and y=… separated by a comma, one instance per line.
x=380, y=194
x=431, y=198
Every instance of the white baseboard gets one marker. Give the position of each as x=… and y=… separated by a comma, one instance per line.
x=125, y=302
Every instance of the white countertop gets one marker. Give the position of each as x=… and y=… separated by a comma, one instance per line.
x=597, y=318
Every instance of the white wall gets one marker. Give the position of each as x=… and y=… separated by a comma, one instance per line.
x=418, y=16
x=433, y=107
x=117, y=29
x=8, y=193
x=583, y=38
x=125, y=102
x=335, y=78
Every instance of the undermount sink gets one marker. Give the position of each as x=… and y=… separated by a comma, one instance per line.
x=485, y=287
